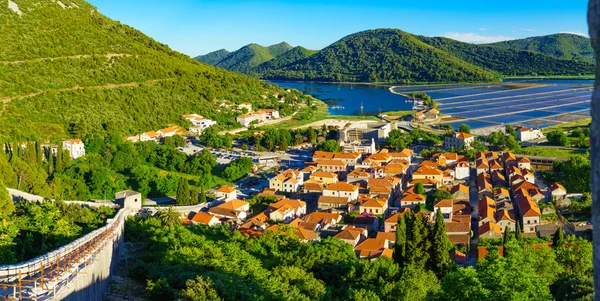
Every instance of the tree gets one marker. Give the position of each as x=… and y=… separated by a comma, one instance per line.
x=400, y=245
x=575, y=288
x=557, y=137
x=439, y=260
x=465, y=128
x=505, y=237
x=518, y=232
x=398, y=139
x=576, y=174
x=59, y=158
x=312, y=135
x=193, y=196
x=6, y=203
x=512, y=143
x=559, y=238
x=202, y=195
x=169, y=217
x=510, y=130
x=199, y=289
x=417, y=244
x=462, y=285
x=50, y=162
x=441, y=195
x=497, y=140
x=329, y=146
x=183, y=192
x=419, y=189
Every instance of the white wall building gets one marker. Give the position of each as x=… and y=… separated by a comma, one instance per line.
x=526, y=134
x=75, y=147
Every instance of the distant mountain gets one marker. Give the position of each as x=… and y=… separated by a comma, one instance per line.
x=296, y=54
x=510, y=62
x=214, y=57
x=382, y=55
x=392, y=55
x=562, y=45
x=245, y=59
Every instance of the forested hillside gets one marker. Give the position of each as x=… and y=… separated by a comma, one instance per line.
x=391, y=55
x=214, y=57
x=61, y=67
x=245, y=59
x=295, y=54
x=510, y=62
x=383, y=55
x=561, y=45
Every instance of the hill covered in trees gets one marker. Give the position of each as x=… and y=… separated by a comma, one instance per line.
x=66, y=68
x=245, y=59
x=392, y=55
x=561, y=45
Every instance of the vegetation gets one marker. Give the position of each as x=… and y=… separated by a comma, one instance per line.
x=180, y=262
x=391, y=55
x=35, y=228
x=510, y=62
x=561, y=45
x=245, y=59
x=575, y=174
x=557, y=138
x=238, y=169
x=106, y=77
x=382, y=55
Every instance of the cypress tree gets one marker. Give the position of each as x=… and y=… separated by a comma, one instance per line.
x=416, y=241
x=39, y=153
x=505, y=238
x=518, y=233
x=194, y=196
x=202, y=194
x=59, y=158
x=50, y=162
x=559, y=238
x=400, y=246
x=183, y=192
x=6, y=203
x=439, y=261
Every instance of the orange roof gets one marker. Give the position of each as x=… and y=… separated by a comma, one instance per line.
x=346, y=155
x=318, y=217
x=501, y=191
x=459, y=188
x=556, y=186
x=333, y=200
x=487, y=208
x=412, y=197
x=444, y=203
x=524, y=160
x=371, y=244
x=322, y=155
x=306, y=234
x=390, y=236
x=341, y=186
x=490, y=226
x=428, y=172
x=233, y=205
x=374, y=203
x=202, y=217
x=331, y=162
x=351, y=232
x=151, y=134
x=359, y=172
x=313, y=186
x=380, y=157
x=294, y=204
x=168, y=130
x=422, y=181
x=528, y=206
x=245, y=116
x=226, y=189
x=323, y=174
x=461, y=135
x=505, y=214
x=74, y=141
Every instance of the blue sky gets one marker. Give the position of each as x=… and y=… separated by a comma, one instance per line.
x=197, y=27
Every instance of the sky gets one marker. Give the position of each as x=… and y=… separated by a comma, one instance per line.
x=196, y=27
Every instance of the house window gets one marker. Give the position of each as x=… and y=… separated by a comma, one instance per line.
x=529, y=222
x=370, y=210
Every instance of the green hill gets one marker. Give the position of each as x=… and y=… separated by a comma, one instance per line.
x=382, y=55
x=510, y=62
x=296, y=54
x=245, y=59
x=72, y=71
x=214, y=57
x=562, y=45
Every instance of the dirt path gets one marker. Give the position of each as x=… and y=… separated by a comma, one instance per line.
x=79, y=56
x=77, y=87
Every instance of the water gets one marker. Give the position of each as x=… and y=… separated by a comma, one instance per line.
x=350, y=96
x=479, y=105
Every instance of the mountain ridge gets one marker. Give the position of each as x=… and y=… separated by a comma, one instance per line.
x=450, y=61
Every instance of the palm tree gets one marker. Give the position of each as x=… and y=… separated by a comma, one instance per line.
x=169, y=217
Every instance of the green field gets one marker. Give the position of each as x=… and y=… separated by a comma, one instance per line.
x=550, y=152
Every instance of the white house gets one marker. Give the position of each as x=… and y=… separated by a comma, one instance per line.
x=167, y=132
x=200, y=123
x=446, y=207
x=75, y=147
x=245, y=105
x=526, y=134
x=341, y=189
x=462, y=171
x=226, y=194
x=458, y=140
x=149, y=136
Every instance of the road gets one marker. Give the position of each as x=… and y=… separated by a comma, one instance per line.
x=267, y=122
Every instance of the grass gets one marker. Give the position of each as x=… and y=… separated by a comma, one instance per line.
x=318, y=113
x=569, y=126
x=393, y=115
x=550, y=152
x=588, y=76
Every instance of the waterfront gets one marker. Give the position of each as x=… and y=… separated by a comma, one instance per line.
x=528, y=102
